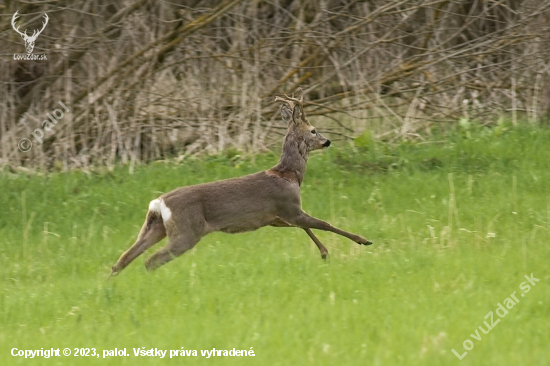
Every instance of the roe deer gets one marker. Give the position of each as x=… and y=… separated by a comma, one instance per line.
x=270, y=197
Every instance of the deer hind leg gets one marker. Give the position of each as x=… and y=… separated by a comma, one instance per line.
x=177, y=245
x=151, y=233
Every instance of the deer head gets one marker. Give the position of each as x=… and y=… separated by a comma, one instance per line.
x=299, y=128
x=29, y=40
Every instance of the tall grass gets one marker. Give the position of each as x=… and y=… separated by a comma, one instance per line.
x=456, y=225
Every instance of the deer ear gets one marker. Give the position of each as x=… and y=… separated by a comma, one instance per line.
x=286, y=113
x=297, y=114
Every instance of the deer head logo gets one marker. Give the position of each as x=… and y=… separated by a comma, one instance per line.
x=29, y=40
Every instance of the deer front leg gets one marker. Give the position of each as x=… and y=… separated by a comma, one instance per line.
x=281, y=223
x=322, y=249
x=305, y=221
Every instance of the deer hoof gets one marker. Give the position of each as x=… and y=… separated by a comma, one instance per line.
x=361, y=240
x=115, y=270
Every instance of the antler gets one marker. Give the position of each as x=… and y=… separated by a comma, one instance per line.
x=34, y=34
x=13, y=19
x=43, y=25
x=291, y=100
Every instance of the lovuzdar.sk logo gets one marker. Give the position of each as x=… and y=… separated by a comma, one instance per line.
x=29, y=40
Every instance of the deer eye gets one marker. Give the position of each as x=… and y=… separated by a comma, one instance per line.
x=313, y=132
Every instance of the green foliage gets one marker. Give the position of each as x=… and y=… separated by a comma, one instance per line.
x=456, y=224
x=365, y=141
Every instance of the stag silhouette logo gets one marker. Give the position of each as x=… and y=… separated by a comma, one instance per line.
x=29, y=40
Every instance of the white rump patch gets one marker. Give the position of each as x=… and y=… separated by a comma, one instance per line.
x=159, y=206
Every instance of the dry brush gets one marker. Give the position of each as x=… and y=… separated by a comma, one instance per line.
x=148, y=79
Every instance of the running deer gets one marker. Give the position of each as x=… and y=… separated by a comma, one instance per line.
x=270, y=197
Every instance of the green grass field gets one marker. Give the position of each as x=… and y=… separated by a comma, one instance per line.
x=456, y=226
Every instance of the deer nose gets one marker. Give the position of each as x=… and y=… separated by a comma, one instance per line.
x=327, y=143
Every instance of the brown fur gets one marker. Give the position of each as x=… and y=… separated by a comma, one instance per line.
x=292, y=177
x=270, y=197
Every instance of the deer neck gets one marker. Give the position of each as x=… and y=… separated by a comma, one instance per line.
x=293, y=161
